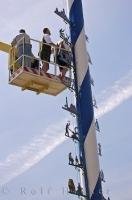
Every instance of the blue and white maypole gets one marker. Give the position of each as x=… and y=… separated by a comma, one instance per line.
x=86, y=122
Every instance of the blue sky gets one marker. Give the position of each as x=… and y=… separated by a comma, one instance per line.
x=25, y=116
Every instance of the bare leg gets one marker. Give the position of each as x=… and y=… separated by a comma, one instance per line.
x=45, y=67
x=64, y=72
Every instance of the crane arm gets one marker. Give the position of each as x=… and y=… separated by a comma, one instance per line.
x=5, y=47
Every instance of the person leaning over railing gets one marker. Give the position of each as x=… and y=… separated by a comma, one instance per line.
x=23, y=45
x=45, y=51
x=63, y=58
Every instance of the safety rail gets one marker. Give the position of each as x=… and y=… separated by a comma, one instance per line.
x=21, y=56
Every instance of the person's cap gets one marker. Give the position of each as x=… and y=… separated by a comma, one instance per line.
x=22, y=31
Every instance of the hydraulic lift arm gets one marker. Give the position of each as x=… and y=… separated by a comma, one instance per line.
x=5, y=47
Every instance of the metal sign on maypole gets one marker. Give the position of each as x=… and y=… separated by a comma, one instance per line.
x=84, y=103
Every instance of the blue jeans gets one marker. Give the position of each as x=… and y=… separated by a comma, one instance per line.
x=24, y=50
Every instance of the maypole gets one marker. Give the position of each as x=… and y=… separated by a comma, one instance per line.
x=84, y=103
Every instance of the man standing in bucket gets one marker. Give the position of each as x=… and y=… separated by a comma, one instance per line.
x=23, y=46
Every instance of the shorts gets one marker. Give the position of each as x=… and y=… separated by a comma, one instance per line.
x=45, y=53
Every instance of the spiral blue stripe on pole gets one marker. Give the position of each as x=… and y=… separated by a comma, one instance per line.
x=84, y=102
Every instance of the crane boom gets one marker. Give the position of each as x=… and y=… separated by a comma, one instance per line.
x=5, y=47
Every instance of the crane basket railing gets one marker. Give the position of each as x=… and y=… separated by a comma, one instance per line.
x=26, y=55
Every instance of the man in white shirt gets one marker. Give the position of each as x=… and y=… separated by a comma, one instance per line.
x=46, y=49
x=23, y=45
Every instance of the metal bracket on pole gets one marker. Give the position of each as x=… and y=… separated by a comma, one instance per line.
x=91, y=81
x=87, y=39
x=71, y=108
x=95, y=103
x=65, y=37
x=62, y=14
x=97, y=125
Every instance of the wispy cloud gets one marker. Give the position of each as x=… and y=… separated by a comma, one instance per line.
x=112, y=97
x=30, y=154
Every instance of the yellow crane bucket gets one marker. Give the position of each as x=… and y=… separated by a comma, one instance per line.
x=36, y=80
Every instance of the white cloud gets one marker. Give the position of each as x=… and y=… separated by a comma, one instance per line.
x=115, y=95
x=30, y=154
